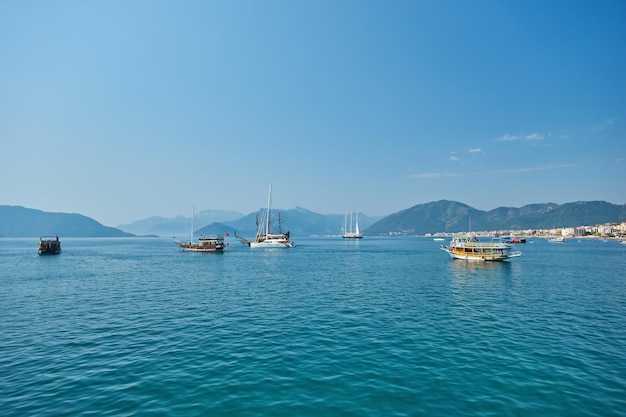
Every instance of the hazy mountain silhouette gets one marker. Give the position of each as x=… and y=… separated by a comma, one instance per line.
x=298, y=221
x=17, y=221
x=179, y=225
x=438, y=216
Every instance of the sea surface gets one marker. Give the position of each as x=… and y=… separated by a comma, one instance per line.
x=376, y=327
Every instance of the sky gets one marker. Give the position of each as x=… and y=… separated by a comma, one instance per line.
x=123, y=110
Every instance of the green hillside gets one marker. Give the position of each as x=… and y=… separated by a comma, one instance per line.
x=451, y=216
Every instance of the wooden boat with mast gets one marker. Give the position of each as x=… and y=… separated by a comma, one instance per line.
x=204, y=244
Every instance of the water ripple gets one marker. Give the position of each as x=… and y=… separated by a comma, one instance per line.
x=381, y=327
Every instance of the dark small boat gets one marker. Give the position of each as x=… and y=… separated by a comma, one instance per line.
x=49, y=245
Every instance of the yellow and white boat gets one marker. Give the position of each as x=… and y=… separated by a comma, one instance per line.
x=468, y=247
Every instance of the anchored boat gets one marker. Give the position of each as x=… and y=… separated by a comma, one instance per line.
x=470, y=248
x=264, y=237
x=204, y=244
x=350, y=232
x=49, y=245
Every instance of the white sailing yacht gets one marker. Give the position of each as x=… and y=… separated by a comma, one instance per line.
x=348, y=231
x=264, y=237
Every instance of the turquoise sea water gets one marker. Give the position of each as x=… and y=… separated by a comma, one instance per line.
x=377, y=327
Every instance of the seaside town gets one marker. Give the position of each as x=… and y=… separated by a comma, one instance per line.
x=602, y=231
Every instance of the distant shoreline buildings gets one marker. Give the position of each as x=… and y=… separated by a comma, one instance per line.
x=607, y=230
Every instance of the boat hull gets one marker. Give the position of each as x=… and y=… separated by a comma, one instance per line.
x=556, y=240
x=485, y=257
x=269, y=244
x=54, y=251
x=187, y=248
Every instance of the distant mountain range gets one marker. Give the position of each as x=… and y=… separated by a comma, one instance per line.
x=298, y=221
x=180, y=225
x=434, y=217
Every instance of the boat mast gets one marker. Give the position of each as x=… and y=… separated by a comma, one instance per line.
x=357, y=223
x=269, y=201
x=193, y=212
x=350, y=222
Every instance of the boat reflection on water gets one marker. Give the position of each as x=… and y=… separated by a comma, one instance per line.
x=484, y=274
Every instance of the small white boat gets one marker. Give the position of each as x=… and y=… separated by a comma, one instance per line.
x=468, y=247
x=556, y=240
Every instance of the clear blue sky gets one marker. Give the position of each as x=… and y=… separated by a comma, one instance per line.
x=121, y=110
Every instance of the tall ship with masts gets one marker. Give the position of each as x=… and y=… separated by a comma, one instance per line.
x=351, y=230
x=265, y=238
